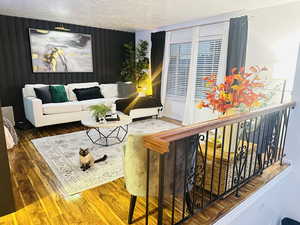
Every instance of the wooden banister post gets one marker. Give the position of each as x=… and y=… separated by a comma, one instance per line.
x=6, y=196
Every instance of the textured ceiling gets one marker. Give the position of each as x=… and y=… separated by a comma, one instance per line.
x=128, y=15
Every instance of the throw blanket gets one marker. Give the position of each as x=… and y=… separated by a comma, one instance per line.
x=10, y=134
x=125, y=105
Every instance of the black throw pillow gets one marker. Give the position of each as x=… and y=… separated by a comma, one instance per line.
x=88, y=93
x=44, y=94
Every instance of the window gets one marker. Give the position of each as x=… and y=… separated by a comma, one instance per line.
x=178, y=69
x=190, y=55
x=208, y=60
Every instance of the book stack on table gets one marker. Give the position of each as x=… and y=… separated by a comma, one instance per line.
x=112, y=117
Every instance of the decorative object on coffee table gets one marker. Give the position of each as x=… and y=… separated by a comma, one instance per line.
x=99, y=112
x=109, y=133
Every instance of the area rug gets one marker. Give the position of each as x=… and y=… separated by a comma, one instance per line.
x=61, y=152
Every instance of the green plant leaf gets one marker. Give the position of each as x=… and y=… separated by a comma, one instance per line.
x=99, y=110
x=136, y=64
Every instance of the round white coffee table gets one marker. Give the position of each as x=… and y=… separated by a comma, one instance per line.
x=117, y=130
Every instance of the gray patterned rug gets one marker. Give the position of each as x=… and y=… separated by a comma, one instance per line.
x=61, y=152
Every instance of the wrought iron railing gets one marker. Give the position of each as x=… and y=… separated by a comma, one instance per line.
x=205, y=162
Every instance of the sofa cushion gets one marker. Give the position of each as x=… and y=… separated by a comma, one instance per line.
x=44, y=94
x=87, y=103
x=71, y=87
x=58, y=94
x=88, y=93
x=63, y=107
x=28, y=90
x=109, y=90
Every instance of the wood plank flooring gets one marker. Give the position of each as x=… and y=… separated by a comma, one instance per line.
x=38, y=202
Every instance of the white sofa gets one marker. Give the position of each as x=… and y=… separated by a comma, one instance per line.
x=41, y=115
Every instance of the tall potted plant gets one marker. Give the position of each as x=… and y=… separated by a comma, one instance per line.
x=136, y=64
x=128, y=69
x=142, y=62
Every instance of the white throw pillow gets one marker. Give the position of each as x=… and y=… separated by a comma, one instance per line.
x=109, y=90
x=71, y=87
x=28, y=90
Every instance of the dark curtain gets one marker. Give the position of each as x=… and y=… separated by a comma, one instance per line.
x=157, y=57
x=237, y=43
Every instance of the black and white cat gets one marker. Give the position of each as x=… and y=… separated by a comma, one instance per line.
x=87, y=160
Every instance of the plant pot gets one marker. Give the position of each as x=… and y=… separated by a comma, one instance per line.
x=126, y=89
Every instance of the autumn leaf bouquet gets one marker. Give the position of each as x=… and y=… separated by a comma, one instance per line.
x=241, y=90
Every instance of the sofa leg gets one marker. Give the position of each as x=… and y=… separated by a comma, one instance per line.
x=131, y=208
x=36, y=130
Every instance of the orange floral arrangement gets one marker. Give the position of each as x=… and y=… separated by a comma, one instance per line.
x=239, y=90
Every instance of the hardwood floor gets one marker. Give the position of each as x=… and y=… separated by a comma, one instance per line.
x=39, y=203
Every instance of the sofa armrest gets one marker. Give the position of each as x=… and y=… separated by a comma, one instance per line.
x=33, y=110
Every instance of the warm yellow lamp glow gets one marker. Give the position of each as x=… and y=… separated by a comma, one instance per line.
x=145, y=86
x=130, y=106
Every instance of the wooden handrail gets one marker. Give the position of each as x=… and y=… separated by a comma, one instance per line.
x=159, y=142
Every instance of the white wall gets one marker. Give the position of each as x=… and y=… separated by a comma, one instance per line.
x=273, y=39
x=144, y=35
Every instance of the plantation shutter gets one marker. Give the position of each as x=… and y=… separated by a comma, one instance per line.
x=208, y=61
x=178, y=69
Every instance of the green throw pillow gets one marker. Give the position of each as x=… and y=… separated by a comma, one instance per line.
x=58, y=93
